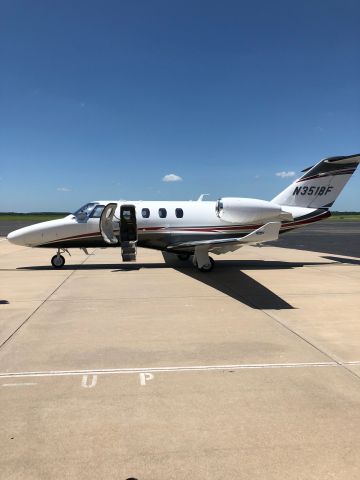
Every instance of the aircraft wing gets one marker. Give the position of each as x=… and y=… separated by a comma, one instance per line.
x=266, y=233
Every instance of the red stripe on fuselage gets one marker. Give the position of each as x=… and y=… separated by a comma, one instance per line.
x=229, y=229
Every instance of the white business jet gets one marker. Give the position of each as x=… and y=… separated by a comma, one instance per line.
x=194, y=228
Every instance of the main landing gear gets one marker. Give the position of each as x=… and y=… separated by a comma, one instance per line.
x=200, y=258
x=207, y=267
x=184, y=256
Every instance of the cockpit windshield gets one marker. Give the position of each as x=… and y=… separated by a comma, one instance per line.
x=90, y=210
x=87, y=209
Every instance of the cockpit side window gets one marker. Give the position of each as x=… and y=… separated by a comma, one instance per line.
x=87, y=209
x=97, y=211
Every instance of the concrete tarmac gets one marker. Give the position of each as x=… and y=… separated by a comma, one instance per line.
x=157, y=371
x=336, y=237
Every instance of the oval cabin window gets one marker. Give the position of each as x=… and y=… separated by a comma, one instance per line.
x=145, y=212
x=179, y=213
x=162, y=212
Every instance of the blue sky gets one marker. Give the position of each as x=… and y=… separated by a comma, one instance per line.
x=102, y=99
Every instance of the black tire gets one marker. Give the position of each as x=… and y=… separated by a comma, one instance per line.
x=209, y=267
x=58, y=261
x=184, y=256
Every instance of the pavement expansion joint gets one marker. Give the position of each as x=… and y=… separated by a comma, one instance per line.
x=38, y=308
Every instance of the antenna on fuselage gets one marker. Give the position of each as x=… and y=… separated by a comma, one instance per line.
x=201, y=198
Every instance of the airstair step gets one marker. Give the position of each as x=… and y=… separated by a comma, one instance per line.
x=129, y=257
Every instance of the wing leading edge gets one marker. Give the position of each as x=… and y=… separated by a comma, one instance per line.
x=266, y=233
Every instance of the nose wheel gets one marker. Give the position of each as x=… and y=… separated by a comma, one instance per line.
x=58, y=261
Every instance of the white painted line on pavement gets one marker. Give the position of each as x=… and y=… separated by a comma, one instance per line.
x=17, y=384
x=198, y=368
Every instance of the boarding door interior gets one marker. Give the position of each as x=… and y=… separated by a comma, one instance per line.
x=128, y=232
x=107, y=222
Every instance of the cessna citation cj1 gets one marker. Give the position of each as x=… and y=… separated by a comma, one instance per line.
x=194, y=228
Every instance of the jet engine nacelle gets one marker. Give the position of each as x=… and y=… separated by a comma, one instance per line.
x=246, y=210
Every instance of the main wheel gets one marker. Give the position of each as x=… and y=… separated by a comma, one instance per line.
x=208, y=267
x=183, y=256
x=58, y=261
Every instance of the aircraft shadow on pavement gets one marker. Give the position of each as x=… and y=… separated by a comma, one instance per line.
x=351, y=261
x=114, y=267
x=227, y=277
x=123, y=267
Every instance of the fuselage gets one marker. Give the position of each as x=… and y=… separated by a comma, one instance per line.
x=163, y=223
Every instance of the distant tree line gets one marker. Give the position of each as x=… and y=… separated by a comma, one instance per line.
x=344, y=213
x=34, y=213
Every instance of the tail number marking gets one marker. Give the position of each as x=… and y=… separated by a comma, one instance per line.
x=305, y=190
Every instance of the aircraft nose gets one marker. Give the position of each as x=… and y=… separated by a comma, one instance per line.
x=36, y=234
x=23, y=236
x=16, y=237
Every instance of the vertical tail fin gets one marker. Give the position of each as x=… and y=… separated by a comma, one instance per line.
x=321, y=184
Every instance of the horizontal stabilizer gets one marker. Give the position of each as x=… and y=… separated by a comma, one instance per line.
x=340, y=160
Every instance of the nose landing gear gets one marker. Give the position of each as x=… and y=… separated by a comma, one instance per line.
x=58, y=261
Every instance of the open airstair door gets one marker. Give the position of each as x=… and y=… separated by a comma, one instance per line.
x=106, y=224
x=128, y=232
